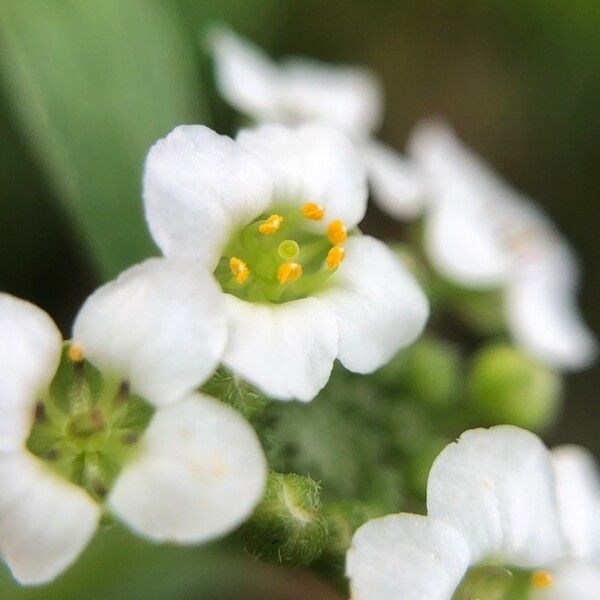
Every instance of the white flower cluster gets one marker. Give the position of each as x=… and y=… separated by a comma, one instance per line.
x=266, y=272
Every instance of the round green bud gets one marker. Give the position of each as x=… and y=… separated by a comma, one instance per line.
x=288, y=249
x=507, y=386
x=288, y=527
x=429, y=371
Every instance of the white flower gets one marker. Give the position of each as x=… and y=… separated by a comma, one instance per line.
x=490, y=496
x=481, y=233
x=299, y=90
x=195, y=471
x=577, y=576
x=274, y=214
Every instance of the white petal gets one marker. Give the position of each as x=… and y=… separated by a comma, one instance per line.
x=348, y=97
x=312, y=163
x=379, y=306
x=160, y=325
x=544, y=319
x=245, y=75
x=463, y=247
x=45, y=521
x=30, y=347
x=496, y=487
x=571, y=581
x=198, y=187
x=397, y=186
x=286, y=349
x=406, y=556
x=578, y=492
x=200, y=473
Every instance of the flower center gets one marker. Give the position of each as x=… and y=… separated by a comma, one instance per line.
x=87, y=426
x=281, y=256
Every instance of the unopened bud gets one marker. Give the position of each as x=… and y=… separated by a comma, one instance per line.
x=507, y=386
x=288, y=527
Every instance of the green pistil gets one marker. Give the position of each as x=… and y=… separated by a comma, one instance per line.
x=87, y=426
x=295, y=240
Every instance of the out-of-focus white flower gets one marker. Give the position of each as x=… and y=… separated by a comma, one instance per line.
x=481, y=233
x=578, y=493
x=274, y=215
x=490, y=496
x=193, y=472
x=297, y=91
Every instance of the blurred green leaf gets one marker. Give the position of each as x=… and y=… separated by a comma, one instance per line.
x=93, y=85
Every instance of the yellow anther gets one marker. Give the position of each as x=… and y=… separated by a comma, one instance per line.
x=75, y=352
x=335, y=256
x=289, y=272
x=337, y=232
x=239, y=269
x=271, y=225
x=541, y=579
x=313, y=211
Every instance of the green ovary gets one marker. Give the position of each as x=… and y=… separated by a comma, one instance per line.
x=251, y=263
x=86, y=427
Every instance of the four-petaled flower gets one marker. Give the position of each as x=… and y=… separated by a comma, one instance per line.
x=113, y=423
x=491, y=496
x=274, y=214
x=481, y=233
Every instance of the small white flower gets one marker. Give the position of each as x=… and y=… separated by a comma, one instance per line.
x=299, y=90
x=274, y=214
x=481, y=233
x=195, y=472
x=490, y=496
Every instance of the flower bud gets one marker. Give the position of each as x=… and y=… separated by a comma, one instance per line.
x=288, y=527
x=507, y=386
x=429, y=371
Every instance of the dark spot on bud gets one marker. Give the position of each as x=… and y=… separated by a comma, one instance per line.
x=40, y=412
x=99, y=488
x=52, y=454
x=96, y=418
x=123, y=393
x=130, y=437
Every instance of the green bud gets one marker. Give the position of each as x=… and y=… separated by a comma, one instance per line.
x=493, y=583
x=507, y=386
x=429, y=371
x=288, y=527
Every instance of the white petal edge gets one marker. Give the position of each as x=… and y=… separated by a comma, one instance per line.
x=578, y=494
x=245, y=76
x=160, y=325
x=199, y=474
x=312, y=163
x=45, y=522
x=544, y=320
x=287, y=350
x=347, y=97
x=198, y=187
x=397, y=186
x=30, y=348
x=379, y=306
x=406, y=556
x=496, y=487
x=461, y=244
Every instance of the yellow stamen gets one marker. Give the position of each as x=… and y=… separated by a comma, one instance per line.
x=239, y=269
x=289, y=272
x=313, y=211
x=541, y=579
x=271, y=225
x=337, y=232
x=335, y=256
x=75, y=352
